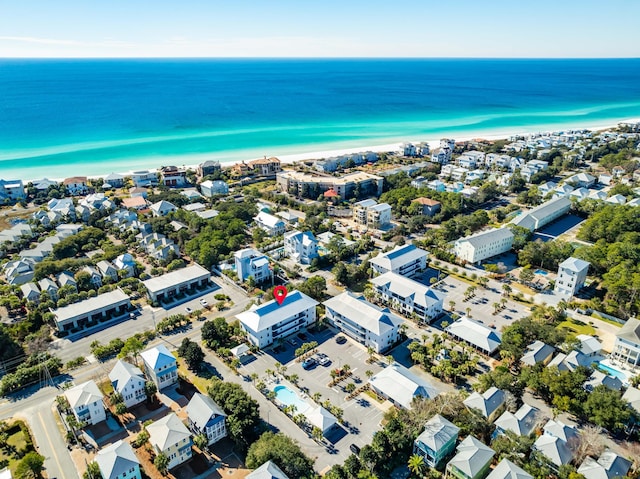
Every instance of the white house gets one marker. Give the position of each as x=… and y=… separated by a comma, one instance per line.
x=544, y=214
x=30, y=292
x=301, y=247
x=118, y=461
x=370, y=213
x=86, y=402
x=475, y=334
x=273, y=225
x=521, y=423
x=125, y=263
x=408, y=296
x=489, y=403
x=162, y=208
x=627, y=345
x=187, y=280
x=406, y=260
x=251, y=263
x=76, y=185
x=508, y=470
x=107, y=270
x=483, y=245
x=271, y=321
x=144, y=178
x=268, y=470
x=171, y=437
x=582, y=179
x=572, y=274
x=160, y=366
x=128, y=380
x=204, y=416
x=211, y=188
x=472, y=460
x=399, y=385
x=538, y=352
x=366, y=323
x=12, y=190
x=608, y=466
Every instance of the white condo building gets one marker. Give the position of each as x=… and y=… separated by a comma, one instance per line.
x=251, y=263
x=372, y=214
x=544, y=214
x=408, y=296
x=483, y=245
x=406, y=260
x=271, y=321
x=301, y=247
x=572, y=274
x=365, y=322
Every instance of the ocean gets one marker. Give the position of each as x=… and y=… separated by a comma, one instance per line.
x=68, y=117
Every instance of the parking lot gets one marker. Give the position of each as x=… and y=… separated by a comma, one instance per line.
x=362, y=415
x=482, y=304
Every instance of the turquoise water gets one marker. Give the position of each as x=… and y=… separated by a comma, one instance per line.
x=63, y=117
x=616, y=373
x=289, y=398
x=540, y=272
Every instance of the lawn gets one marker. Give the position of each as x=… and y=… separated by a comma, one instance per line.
x=17, y=440
x=578, y=327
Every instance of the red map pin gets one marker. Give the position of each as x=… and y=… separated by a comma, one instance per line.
x=279, y=293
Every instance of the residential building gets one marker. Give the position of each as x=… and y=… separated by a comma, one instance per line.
x=544, y=214
x=475, y=334
x=169, y=436
x=125, y=264
x=508, y=470
x=20, y=271
x=538, y=352
x=137, y=203
x=407, y=296
x=265, y=166
x=360, y=210
x=407, y=149
x=173, y=177
x=250, y=263
x=437, y=441
x=76, y=185
x=187, y=281
x=521, y=423
x=489, y=404
x=589, y=345
x=138, y=191
x=107, y=270
x=128, y=381
x=162, y=208
x=572, y=274
x=627, y=344
x=195, y=207
x=160, y=366
x=366, y=323
x=632, y=396
x=271, y=321
x=86, y=402
x=208, y=167
x=205, y=417
x=30, y=292
x=379, y=216
x=211, y=188
x=47, y=285
x=555, y=451
x=483, y=245
x=406, y=260
x=144, y=178
x=608, y=466
x=571, y=361
x=598, y=378
x=118, y=461
x=582, y=179
x=114, y=180
x=273, y=225
x=307, y=185
x=400, y=386
x=617, y=199
x=301, y=247
x=90, y=312
x=12, y=191
x=472, y=460
x=268, y=470
x=429, y=207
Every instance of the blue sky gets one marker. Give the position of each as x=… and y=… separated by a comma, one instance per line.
x=326, y=28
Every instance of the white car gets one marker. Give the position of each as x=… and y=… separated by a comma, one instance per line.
x=188, y=310
x=203, y=302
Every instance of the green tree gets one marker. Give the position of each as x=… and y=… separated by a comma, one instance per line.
x=606, y=408
x=416, y=464
x=132, y=347
x=161, y=461
x=92, y=472
x=192, y=354
x=150, y=389
x=283, y=451
x=243, y=415
x=30, y=466
x=200, y=441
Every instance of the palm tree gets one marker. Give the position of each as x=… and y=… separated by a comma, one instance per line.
x=468, y=310
x=346, y=368
x=368, y=373
x=389, y=359
x=416, y=464
x=506, y=290
x=370, y=352
x=496, y=308
x=294, y=378
x=503, y=302
x=483, y=281
x=452, y=305
x=316, y=397
x=253, y=377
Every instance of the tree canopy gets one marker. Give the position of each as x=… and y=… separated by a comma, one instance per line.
x=284, y=452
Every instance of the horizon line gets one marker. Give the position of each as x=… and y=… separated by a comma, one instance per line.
x=311, y=58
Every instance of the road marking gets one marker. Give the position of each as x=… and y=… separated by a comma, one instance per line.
x=53, y=449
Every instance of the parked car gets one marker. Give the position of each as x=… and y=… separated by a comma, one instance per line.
x=354, y=449
x=323, y=359
x=341, y=339
x=188, y=310
x=308, y=363
x=302, y=336
x=292, y=342
x=203, y=302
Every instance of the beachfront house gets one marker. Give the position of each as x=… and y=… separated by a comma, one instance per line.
x=173, y=177
x=12, y=191
x=86, y=402
x=250, y=263
x=208, y=167
x=160, y=366
x=407, y=296
x=366, y=323
x=572, y=273
x=472, y=460
x=270, y=322
x=169, y=436
x=437, y=441
x=486, y=244
x=406, y=260
x=144, y=178
x=127, y=380
x=118, y=461
x=76, y=185
x=204, y=416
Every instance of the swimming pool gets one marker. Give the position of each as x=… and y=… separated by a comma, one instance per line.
x=540, y=272
x=608, y=368
x=289, y=398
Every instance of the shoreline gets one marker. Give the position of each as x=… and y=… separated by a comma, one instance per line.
x=290, y=158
